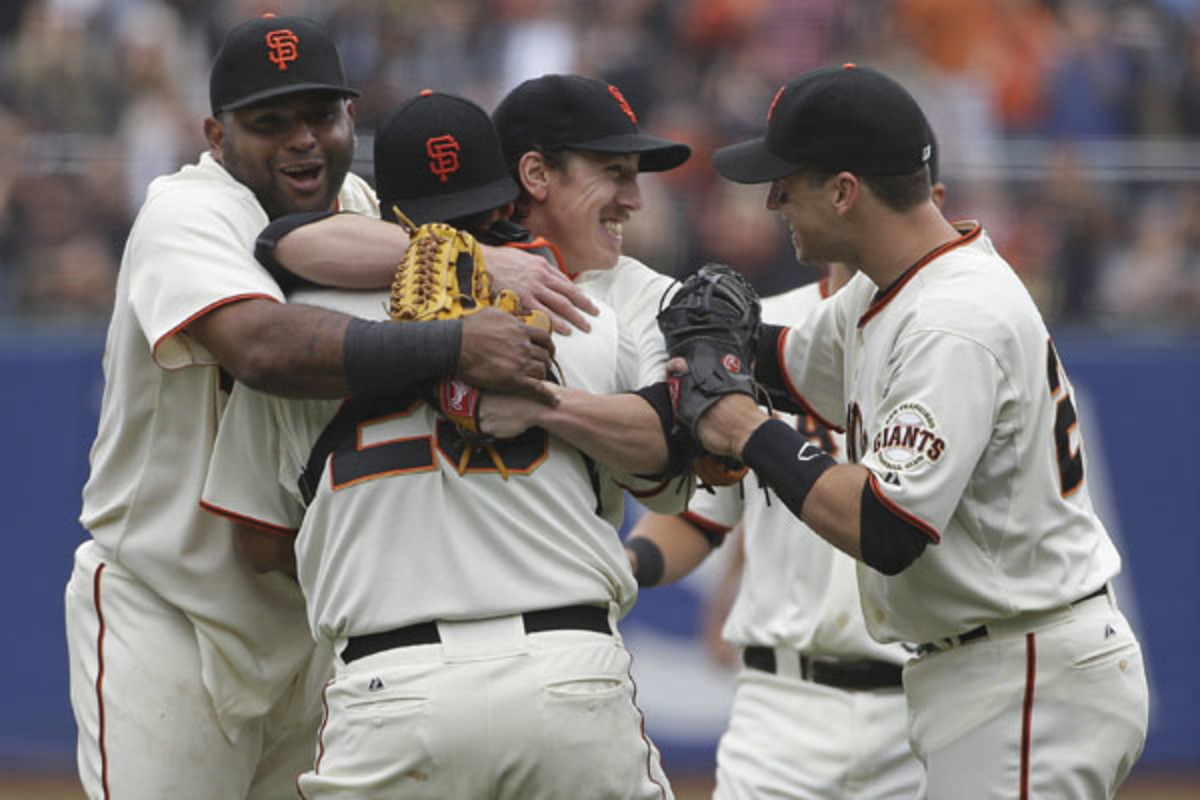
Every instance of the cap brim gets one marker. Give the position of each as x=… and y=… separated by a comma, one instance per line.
x=657, y=155
x=280, y=91
x=446, y=207
x=749, y=162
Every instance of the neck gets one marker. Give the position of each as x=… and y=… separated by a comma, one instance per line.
x=899, y=240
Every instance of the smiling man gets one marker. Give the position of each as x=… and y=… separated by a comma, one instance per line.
x=191, y=675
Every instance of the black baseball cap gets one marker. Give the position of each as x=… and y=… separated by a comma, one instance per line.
x=580, y=113
x=273, y=56
x=841, y=118
x=438, y=157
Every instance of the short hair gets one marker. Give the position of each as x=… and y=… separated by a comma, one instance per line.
x=897, y=192
x=902, y=192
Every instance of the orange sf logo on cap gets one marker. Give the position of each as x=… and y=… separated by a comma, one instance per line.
x=281, y=46
x=443, y=155
x=623, y=103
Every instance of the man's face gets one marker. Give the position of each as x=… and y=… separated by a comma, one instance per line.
x=802, y=203
x=587, y=204
x=292, y=152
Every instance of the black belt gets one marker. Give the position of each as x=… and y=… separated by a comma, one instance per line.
x=582, y=618
x=854, y=675
x=981, y=632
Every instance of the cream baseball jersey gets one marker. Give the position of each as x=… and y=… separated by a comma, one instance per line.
x=797, y=591
x=634, y=290
x=389, y=534
x=190, y=251
x=951, y=393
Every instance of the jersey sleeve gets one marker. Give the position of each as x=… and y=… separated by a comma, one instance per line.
x=719, y=508
x=252, y=474
x=192, y=251
x=935, y=420
x=812, y=361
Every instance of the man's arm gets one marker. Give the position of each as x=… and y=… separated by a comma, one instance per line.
x=682, y=544
x=356, y=252
x=295, y=350
x=841, y=502
x=621, y=430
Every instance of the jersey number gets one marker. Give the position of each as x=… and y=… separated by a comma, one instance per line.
x=1070, y=459
x=353, y=462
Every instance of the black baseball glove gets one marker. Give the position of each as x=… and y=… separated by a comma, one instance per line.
x=712, y=321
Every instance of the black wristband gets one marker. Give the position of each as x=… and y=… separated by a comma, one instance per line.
x=788, y=462
x=649, y=560
x=395, y=356
x=268, y=238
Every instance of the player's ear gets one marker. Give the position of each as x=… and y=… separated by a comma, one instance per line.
x=214, y=134
x=844, y=192
x=534, y=174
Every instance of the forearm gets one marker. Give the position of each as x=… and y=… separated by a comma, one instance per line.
x=825, y=497
x=621, y=430
x=346, y=250
x=683, y=547
x=295, y=350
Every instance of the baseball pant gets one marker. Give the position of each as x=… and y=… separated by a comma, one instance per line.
x=147, y=727
x=793, y=738
x=488, y=712
x=1052, y=705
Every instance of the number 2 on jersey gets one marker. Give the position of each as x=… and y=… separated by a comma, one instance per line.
x=1070, y=459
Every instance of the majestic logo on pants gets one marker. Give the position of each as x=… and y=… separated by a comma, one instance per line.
x=909, y=438
x=282, y=47
x=443, y=156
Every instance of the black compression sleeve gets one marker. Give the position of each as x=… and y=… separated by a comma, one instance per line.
x=264, y=248
x=680, y=450
x=788, y=462
x=391, y=357
x=769, y=373
x=649, y=560
x=889, y=543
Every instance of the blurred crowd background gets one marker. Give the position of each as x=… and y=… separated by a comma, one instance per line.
x=1070, y=128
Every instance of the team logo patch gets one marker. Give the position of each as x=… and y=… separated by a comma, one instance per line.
x=282, y=47
x=443, y=155
x=731, y=363
x=909, y=438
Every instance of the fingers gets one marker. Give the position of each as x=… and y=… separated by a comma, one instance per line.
x=540, y=390
x=563, y=301
x=541, y=340
x=677, y=366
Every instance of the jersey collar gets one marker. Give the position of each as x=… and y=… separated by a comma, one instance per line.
x=969, y=231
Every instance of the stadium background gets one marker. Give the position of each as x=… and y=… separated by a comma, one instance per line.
x=1071, y=128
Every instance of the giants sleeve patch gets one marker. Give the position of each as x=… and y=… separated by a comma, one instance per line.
x=908, y=439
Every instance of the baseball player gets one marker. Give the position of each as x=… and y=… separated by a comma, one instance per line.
x=473, y=617
x=966, y=497
x=189, y=672
x=575, y=149
x=818, y=710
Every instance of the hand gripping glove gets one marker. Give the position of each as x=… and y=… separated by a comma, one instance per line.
x=712, y=321
x=443, y=276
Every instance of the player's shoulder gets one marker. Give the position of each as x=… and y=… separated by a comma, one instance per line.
x=974, y=292
x=629, y=285
x=357, y=195
x=788, y=308
x=197, y=191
